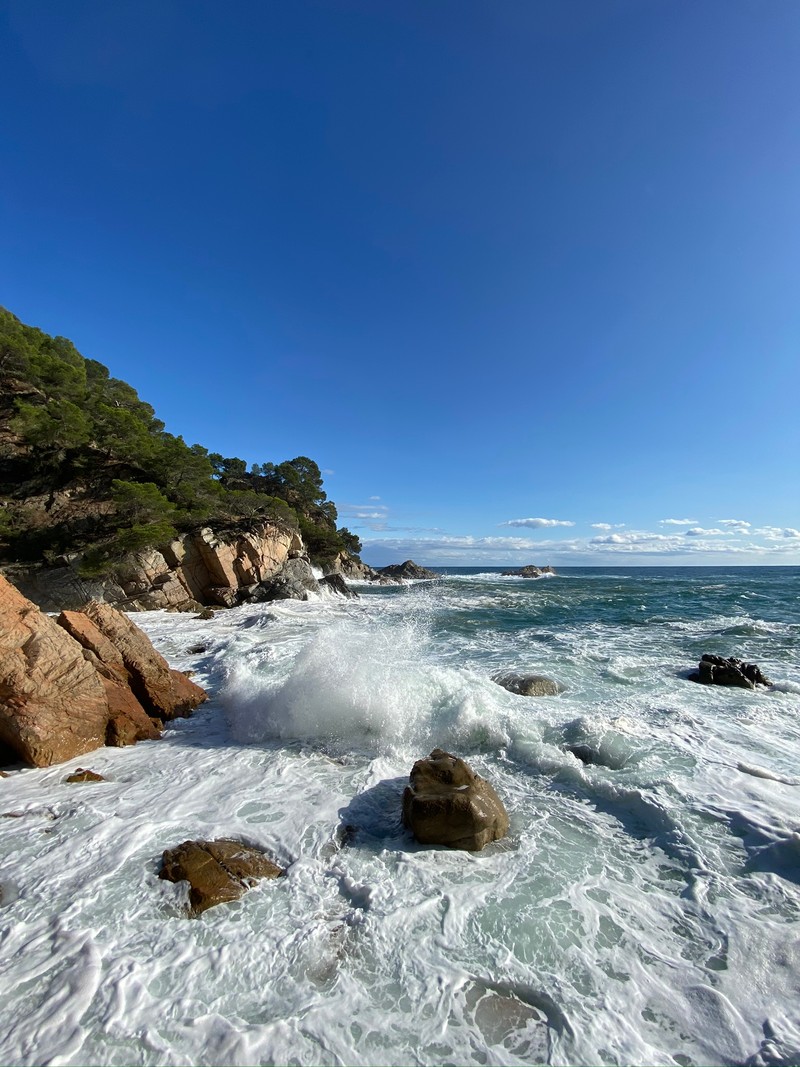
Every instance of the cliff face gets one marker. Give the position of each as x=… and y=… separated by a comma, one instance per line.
x=202, y=568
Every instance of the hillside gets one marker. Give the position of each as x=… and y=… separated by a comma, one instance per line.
x=87, y=468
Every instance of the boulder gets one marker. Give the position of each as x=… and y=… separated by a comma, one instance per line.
x=294, y=582
x=527, y=685
x=716, y=670
x=409, y=569
x=120, y=645
x=446, y=803
x=53, y=704
x=217, y=871
x=335, y=583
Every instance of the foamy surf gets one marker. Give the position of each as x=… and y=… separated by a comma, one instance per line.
x=641, y=910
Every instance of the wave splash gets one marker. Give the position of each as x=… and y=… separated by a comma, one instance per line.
x=374, y=688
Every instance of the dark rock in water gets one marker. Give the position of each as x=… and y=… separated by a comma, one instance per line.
x=337, y=584
x=82, y=775
x=446, y=803
x=196, y=650
x=205, y=614
x=527, y=685
x=717, y=670
x=294, y=581
x=528, y=572
x=409, y=569
x=217, y=871
x=585, y=753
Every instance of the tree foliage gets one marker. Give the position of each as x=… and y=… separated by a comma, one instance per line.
x=81, y=427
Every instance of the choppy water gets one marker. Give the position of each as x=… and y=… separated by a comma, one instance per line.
x=642, y=911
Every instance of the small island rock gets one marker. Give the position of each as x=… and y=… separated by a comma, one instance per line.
x=409, y=569
x=717, y=670
x=446, y=803
x=528, y=572
x=217, y=871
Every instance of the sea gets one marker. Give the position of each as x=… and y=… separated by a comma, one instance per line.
x=643, y=909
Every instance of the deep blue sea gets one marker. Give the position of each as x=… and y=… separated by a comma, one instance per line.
x=644, y=909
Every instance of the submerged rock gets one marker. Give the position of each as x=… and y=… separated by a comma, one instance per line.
x=527, y=685
x=217, y=871
x=446, y=803
x=83, y=775
x=717, y=670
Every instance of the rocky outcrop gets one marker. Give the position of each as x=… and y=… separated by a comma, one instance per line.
x=89, y=679
x=217, y=871
x=335, y=583
x=527, y=685
x=53, y=704
x=406, y=570
x=528, y=572
x=353, y=569
x=118, y=643
x=446, y=803
x=294, y=581
x=716, y=670
x=206, y=567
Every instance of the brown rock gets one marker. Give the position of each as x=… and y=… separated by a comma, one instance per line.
x=446, y=803
x=82, y=775
x=528, y=685
x=164, y=692
x=52, y=703
x=217, y=871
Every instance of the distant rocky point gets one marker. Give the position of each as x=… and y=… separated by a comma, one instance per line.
x=528, y=572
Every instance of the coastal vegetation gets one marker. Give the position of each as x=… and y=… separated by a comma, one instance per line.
x=87, y=467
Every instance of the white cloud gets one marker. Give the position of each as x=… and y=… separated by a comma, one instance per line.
x=327, y=470
x=607, y=525
x=698, y=531
x=537, y=524
x=374, y=498
x=739, y=525
x=678, y=522
x=790, y=532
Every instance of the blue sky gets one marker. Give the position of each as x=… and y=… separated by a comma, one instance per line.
x=522, y=277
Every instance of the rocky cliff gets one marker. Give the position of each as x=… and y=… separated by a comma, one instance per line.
x=221, y=568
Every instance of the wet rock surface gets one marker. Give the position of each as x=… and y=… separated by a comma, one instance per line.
x=447, y=803
x=84, y=775
x=717, y=670
x=527, y=685
x=409, y=569
x=217, y=871
x=530, y=571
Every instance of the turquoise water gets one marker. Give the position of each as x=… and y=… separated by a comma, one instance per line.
x=643, y=909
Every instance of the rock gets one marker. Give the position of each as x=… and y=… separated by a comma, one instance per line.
x=158, y=689
x=196, y=650
x=197, y=568
x=716, y=670
x=528, y=572
x=53, y=704
x=350, y=567
x=446, y=803
x=409, y=569
x=585, y=753
x=217, y=871
x=82, y=775
x=206, y=614
x=294, y=582
x=527, y=685
x=335, y=583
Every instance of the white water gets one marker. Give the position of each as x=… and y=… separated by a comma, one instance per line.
x=641, y=911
